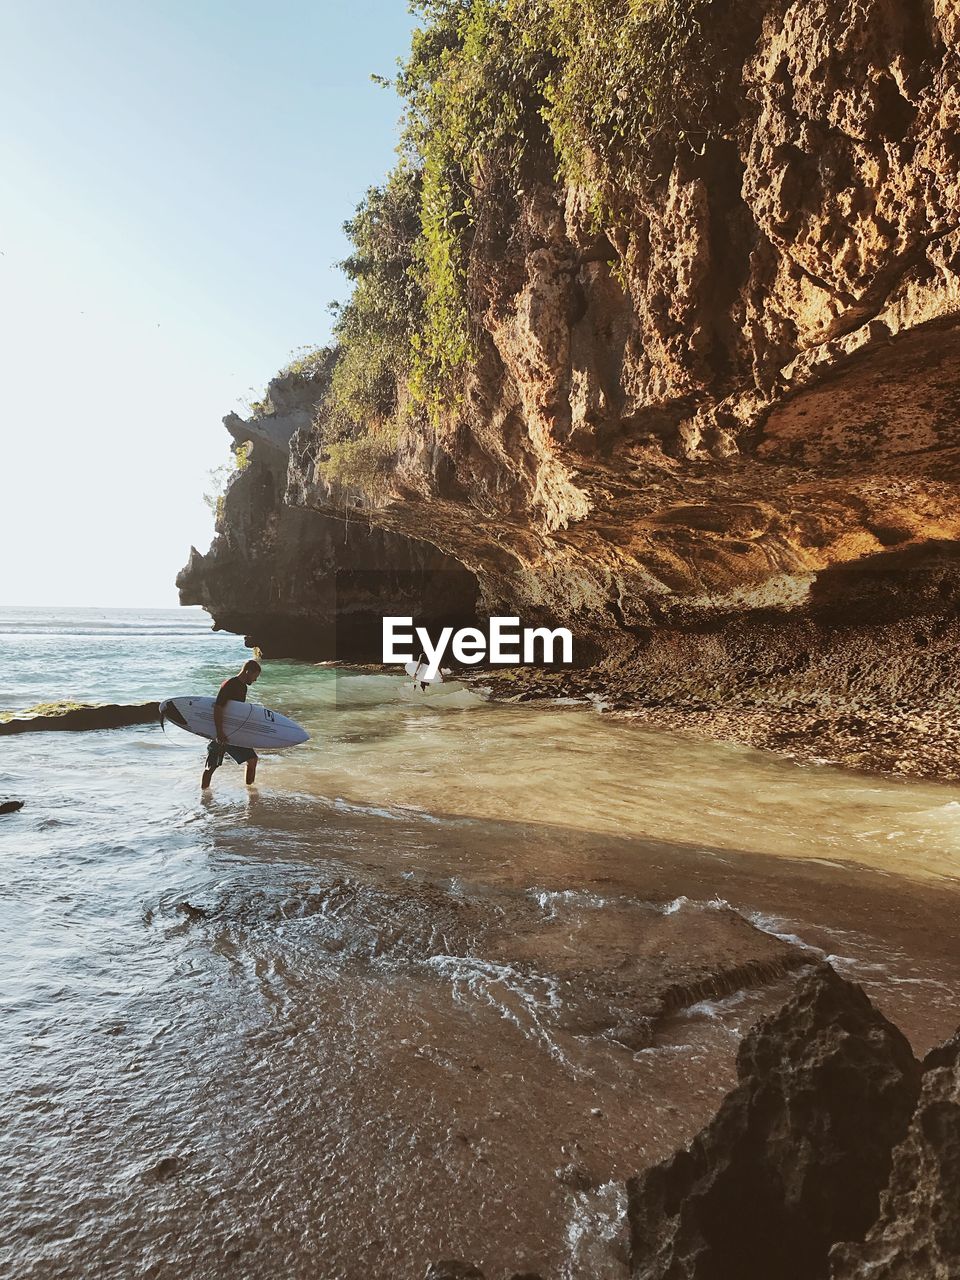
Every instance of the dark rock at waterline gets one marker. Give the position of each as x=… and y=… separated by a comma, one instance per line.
x=298, y=583
x=453, y=1270
x=797, y=1155
x=626, y=979
x=465, y=1271
x=917, y=1233
x=11, y=806
x=165, y=1168
x=191, y=912
x=75, y=716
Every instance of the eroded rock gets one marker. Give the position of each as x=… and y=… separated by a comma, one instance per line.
x=797, y=1155
x=683, y=428
x=301, y=584
x=917, y=1235
x=623, y=975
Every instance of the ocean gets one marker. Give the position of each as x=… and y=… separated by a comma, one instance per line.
x=393, y=1003
x=108, y=655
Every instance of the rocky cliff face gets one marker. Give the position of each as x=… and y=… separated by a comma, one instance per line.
x=917, y=1232
x=717, y=437
x=298, y=583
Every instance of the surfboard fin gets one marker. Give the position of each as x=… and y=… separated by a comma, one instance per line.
x=169, y=711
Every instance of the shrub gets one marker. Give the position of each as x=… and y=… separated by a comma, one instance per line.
x=630, y=78
x=374, y=330
x=311, y=362
x=598, y=92
x=360, y=462
x=474, y=99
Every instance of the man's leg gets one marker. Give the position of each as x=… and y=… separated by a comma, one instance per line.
x=251, y=770
x=214, y=760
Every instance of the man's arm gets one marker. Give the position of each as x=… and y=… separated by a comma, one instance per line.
x=218, y=721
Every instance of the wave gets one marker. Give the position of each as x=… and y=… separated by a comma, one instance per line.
x=94, y=622
x=125, y=632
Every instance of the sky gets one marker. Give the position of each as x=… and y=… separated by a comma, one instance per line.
x=174, y=177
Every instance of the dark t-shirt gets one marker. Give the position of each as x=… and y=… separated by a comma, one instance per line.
x=232, y=690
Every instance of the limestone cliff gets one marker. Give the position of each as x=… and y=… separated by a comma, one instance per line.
x=917, y=1232
x=717, y=435
x=298, y=583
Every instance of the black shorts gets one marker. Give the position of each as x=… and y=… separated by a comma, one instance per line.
x=217, y=750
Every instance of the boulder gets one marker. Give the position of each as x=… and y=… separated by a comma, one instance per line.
x=797, y=1155
x=917, y=1235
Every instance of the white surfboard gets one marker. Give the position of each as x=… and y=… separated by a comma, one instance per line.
x=246, y=724
x=416, y=669
x=433, y=692
x=441, y=686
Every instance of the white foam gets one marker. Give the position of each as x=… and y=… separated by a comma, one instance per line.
x=683, y=902
x=597, y=1220
x=553, y=899
x=520, y=999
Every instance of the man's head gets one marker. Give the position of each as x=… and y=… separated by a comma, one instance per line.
x=249, y=671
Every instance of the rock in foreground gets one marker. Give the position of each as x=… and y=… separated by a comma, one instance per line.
x=797, y=1155
x=918, y=1232
x=626, y=974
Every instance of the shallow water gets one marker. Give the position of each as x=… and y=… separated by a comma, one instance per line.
x=371, y=1012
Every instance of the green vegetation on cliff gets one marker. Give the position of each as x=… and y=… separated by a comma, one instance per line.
x=374, y=330
x=499, y=93
x=473, y=87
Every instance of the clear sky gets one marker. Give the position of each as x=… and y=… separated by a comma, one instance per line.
x=174, y=176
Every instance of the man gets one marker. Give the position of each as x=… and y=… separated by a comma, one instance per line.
x=232, y=690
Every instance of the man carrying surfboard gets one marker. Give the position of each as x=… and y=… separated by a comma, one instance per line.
x=232, y=690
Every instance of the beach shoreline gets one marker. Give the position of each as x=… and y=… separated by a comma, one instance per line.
x=896, y=742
